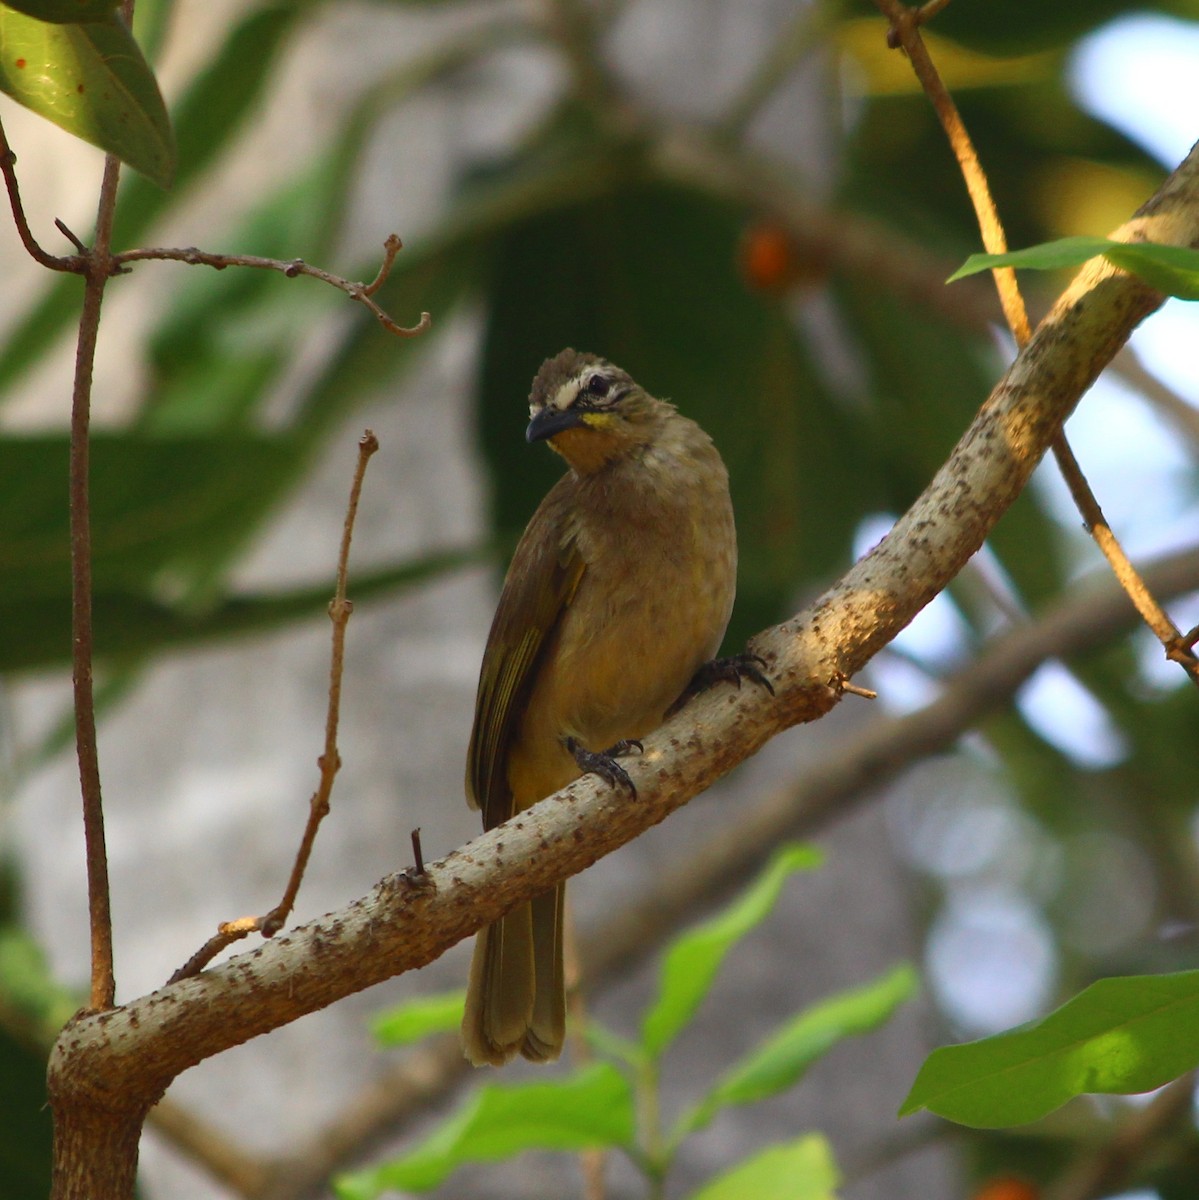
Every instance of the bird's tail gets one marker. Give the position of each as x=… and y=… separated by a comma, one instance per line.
x=516, y=1000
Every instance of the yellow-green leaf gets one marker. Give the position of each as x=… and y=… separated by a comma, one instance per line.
x=91, y=80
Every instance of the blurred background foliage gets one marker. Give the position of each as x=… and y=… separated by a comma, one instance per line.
x=788, y=298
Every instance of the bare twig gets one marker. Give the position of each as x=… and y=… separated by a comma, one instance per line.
x=1179, y=648
x=50, y=261
x=418, y=854
x=905, y=32
x=103, y=984
x=329, y=762
x=361, y=292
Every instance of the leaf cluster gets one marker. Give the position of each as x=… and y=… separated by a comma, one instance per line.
x=614, y=1103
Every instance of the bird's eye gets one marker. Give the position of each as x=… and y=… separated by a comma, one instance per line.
x=597, y=385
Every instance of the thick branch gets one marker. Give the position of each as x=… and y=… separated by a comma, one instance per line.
x=849, y=771
x=125, y=1058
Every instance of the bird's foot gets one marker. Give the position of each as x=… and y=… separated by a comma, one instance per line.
x=733, y=669
x=604, y=764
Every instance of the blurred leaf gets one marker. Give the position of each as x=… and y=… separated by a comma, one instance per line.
x=418, y=1017
x=28, y=989
x=800, y=1170
x=611, y=1045
x=160, y=507
x=689, y=967
x=67, y=12
x=1173, y=270
x=25, y=1132
x=205, y=120
x=594, y=1107
x=92, y=81
x=1025, y=25
x=883, y=72
x=32, y=1008
x=150, y=21
x=784, y=1057
x=130, y=625
x=1123, y=1035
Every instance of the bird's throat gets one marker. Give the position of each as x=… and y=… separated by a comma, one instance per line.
x=587, y=449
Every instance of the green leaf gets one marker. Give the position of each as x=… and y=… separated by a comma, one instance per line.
x=594, y=1107
x=1123, y=1035
x=1173, y=270
x=800, y=1170
x=93, y=82
x=690, y=965
x=418, y=1018
x=784, y=1057
x=65, y=12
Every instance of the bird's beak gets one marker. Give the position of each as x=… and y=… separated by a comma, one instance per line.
x=550, y=421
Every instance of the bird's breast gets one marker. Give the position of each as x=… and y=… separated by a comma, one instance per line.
x=652, y=606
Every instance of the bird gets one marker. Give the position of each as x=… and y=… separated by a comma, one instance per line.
x=616, y=599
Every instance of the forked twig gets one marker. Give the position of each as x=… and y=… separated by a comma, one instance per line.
x=363, y=293
x=905, y=32
x=329, y=762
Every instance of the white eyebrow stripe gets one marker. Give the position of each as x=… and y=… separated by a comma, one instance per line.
x=564, y=397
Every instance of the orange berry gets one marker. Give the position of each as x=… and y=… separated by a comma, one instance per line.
x=768, y=258
x=1007, y=1187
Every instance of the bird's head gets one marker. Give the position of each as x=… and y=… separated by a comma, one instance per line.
x=590, y=411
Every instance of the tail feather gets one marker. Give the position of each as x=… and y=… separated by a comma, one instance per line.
x=515, y=1000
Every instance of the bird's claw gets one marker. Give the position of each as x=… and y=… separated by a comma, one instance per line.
x=604, y=763
x=732, y=669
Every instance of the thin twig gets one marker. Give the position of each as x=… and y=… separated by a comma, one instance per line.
x=905, y=32
x=103, y=983
x=329, y=762
x=361, y=292
x=50, y=261
x=1178, y=647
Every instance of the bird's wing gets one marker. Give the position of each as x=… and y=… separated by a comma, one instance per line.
x=541, y=583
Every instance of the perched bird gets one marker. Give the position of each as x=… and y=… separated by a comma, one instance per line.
x=617, y=595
